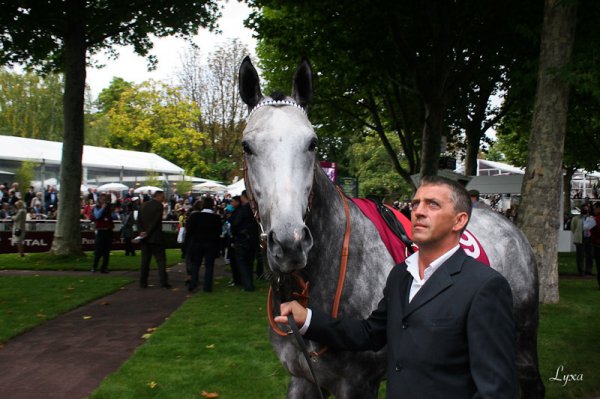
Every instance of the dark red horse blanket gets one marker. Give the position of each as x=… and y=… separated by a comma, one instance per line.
x=394, y=244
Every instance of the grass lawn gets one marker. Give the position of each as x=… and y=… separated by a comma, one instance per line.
x=215, y=343
x=218, y=343
x=568, y=339
x=47, y=261
x=26, y=301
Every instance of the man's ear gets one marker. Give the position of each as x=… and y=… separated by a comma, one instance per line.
x=462, y=219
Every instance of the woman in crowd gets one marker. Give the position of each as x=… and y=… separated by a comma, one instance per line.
x=203, y=231
x=18, y=232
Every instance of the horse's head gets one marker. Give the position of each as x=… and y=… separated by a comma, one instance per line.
x=279, y=146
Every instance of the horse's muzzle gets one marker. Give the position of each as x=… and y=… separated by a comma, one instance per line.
x=288, y=248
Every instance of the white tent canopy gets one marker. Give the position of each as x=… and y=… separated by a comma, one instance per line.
x=496, y=184
x=236, y=188
x=50, y=152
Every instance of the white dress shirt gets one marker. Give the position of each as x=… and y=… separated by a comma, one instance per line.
x=412, y=266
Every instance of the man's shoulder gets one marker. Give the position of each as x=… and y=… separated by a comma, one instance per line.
x=477, y=272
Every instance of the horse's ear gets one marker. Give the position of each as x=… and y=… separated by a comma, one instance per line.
x=249, y=84
x=302, y=90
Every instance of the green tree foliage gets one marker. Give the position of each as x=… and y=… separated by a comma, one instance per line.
x=30, y=105
x=154, y=117
x=394, y=67
x=373, y=167
x=59, y=36
x=24, y=175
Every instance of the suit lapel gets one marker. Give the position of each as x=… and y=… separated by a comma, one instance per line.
x=438, y=282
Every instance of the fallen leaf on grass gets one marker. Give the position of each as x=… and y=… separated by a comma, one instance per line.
x=146, y=336
x=209, y=394
x=210, y=346
x=152, y=329
x=104, y=303
x=70, y=288
x=152, y=384
x=87, y=317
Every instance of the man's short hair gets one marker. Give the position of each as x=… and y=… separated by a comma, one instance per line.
x=459, y=195
x=157, y=192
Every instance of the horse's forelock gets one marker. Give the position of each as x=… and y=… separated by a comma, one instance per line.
x=278, y=96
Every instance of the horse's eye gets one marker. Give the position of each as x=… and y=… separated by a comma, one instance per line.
x=246, y=148
x=313, y=144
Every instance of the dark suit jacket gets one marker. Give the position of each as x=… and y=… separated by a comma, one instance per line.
x=150, y=221
x=455, y=339
x=203, y=227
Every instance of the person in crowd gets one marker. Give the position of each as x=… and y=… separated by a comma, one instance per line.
x=595, y=239
x=18, y=231
x=236, y=279
x=103, y=221
x=5, y=211
x=3, y=194
x=52, y=213
x=173, y=199
x=582, y=238
x=474, y=195
x=127, y=232
x=92, y=195
x=146, y=197
x=36, y=200
x=451, y=331
x=51, y=198
x=29, y=196
x=226, y=234
x=203, y=230
x=12, y=197
x=245, y=237
x=152, y=239
x=130, y=194
x=87, y=209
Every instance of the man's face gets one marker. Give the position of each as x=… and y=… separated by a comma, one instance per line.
x=160, y=197
x=433, y=217
x=235, y=203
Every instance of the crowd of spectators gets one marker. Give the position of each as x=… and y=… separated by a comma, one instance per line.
x=39, y=205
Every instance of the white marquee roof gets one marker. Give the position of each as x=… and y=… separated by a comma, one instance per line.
x=24, y=149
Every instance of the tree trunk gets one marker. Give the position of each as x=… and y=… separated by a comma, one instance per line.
x=538, y=214
x=472, y=153
x=67, y=237
x=432, y=138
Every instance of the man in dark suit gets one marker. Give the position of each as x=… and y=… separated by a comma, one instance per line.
x=153, y=242
x=446, y=318
x=245, y=240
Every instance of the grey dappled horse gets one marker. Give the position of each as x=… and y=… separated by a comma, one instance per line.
x=279, y=145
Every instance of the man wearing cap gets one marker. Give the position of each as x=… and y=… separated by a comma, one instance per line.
x=153, y=241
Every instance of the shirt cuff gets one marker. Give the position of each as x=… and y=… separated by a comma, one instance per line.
x=304, y=328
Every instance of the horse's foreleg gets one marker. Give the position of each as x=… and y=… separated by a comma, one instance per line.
x=299, y=388
x=527, y=357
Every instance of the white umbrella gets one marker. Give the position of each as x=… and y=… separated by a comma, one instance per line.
x=145, y=189
x=112, y=187
x=209, y=186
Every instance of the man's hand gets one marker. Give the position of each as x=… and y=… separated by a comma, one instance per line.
x=294, y=308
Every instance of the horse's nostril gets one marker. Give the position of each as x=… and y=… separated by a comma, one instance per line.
x=274, y=245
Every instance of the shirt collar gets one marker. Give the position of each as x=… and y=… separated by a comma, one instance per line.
x=207, y=211
x=412, y=264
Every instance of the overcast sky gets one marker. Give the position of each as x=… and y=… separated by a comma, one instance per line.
x=133, y=68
